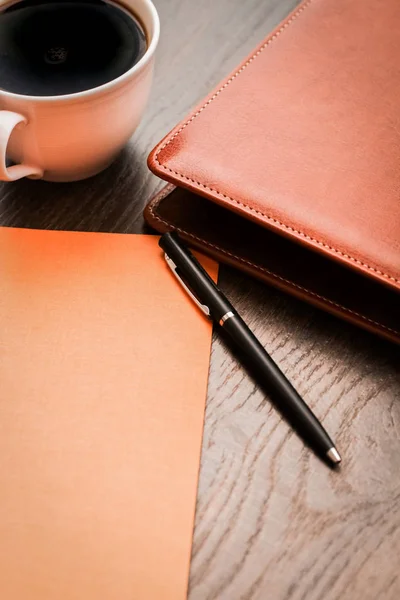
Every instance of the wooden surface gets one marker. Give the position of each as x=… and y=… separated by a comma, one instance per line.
x=273, y=522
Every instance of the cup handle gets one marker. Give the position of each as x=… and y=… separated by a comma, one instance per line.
x=8, y=121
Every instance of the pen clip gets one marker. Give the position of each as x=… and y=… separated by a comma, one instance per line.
x=174, y=269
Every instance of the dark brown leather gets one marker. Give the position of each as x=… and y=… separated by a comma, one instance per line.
x=303, y=139
x=278, y=261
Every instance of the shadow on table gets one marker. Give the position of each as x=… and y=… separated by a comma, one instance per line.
x=111, y=201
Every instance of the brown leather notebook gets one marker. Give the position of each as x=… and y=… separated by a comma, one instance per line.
x=290, y=169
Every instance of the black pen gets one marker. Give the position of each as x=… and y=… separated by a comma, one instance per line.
x=216, y=306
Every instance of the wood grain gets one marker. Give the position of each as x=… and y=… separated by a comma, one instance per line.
x=273, y=522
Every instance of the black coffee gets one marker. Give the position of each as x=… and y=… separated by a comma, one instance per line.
x=64, y=47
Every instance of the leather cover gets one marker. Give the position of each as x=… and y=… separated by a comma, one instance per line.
x=303, y=140
x=103, y=369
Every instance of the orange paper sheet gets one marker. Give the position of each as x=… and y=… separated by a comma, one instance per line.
x=103, y=378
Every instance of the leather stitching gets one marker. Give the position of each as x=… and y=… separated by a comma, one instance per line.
x=264, y=270
x=238, y=202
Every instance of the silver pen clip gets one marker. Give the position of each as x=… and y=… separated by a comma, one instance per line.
x=173, y=268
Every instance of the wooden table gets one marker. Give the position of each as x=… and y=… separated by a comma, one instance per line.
x=273, y=522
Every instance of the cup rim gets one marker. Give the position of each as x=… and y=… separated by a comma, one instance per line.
x=148, y=55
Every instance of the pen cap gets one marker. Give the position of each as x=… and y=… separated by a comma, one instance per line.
x=194, y=276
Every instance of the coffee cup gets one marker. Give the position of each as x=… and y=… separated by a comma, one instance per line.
x=73, y=136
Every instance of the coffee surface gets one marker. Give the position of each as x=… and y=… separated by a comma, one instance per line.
x=65, y=47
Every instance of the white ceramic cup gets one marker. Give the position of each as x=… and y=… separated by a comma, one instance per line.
x=75, y=136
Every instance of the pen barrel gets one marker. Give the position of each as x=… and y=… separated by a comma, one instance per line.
x=195, y=277
x=274, y=382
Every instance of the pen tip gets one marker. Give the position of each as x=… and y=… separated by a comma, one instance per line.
x=334, y=456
